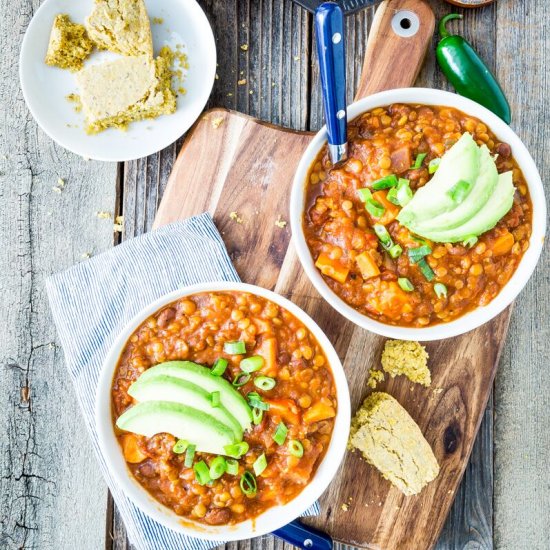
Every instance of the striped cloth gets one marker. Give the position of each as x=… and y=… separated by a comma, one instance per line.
x=91, y=303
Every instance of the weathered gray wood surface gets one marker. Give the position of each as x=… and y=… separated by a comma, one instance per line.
x=51, y=494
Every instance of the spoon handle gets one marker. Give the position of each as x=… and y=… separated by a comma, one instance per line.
x=304, y=536
x=329, y=26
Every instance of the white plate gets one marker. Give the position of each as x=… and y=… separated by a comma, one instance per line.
x=45, y=88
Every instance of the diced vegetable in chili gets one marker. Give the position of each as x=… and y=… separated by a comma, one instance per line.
x=332, y=268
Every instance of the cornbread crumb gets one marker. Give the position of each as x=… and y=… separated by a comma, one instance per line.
x=244, y=47
x=217, y=122
x=345, y=507
x=103, y=215
x=77, y=103
x=60, y=182
x=69, y=44
x=279, y=222
x=392, y=442
x=56, y=189
x=241, y=82
x=86, y=255
x=119, y=219
x=118, y=227
x=158, y=20
x=407, y=358
x=375, y=376
x=235, y=217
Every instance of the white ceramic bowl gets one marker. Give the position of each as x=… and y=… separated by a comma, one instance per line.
x=480, y=315
x=275, y=517
x=45, y=88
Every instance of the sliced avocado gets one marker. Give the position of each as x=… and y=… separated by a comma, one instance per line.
x=168, y=388
x=200, y=429
x=494, y=209
x=460, y=162
x=230, y=398
x=479, y=194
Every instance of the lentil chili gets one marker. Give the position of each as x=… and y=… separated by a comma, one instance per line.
x=340, y=227
x=302, y=406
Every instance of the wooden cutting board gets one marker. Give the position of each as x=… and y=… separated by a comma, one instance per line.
x=234, y=163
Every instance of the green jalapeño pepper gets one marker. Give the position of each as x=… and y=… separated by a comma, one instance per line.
x=467, y=73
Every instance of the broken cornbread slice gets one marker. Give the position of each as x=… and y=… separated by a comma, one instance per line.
x=121, y=26
x=122, y=91
x=392, y=442
x=407, y=358
x=69, y=44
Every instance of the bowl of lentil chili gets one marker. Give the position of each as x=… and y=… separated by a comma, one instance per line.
x=398, y=134
x=293, y=381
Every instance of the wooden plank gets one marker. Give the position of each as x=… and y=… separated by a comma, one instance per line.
x=46, y=465
x=522, y=410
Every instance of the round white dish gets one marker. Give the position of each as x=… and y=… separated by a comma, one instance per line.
x=45, y=88
x=275, y=517
x=480, y=315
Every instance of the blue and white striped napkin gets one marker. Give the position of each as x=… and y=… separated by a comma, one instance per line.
x=91, y=303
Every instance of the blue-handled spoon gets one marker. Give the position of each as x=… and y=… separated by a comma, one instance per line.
x=329, y=25
x=304, y=536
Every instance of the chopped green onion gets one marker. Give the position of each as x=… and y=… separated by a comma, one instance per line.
x=416, y=254
x=189, y=456
x=181, y=446
x=392, y=196
x=252, y=364
x=215, y=399
x=232, y=466
x=202, y=473
x=433, y=165
x=374, y=208
x=237, y=449
x=218, y=467
x=365, y=194
x=383, y=235
x=405, y=284
x=440, y=290
x=257, y=415
x=419, y=160
x=260, y=464
x=248, y=484
x=470, y=241
x=241, y=379
x=385, y=182
x=404, y=192
x=280, y=434
x=426, y=269
x=459, y=191
x=234, y=348
x=295, y=448
x=395, y=251
x=265, y=383
x=219, y=367
x=255, y=400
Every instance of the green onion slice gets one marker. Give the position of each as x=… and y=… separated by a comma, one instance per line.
x=202, y=473
x=248, y=484
x=257, y=415
x=252, y=364
x=234, y=348
x=374, y=208
x=241, y=379
x=215, y=399
x=181, y=446
x=416, y=254
x=280, y=434
x=295, y=448
x=395, y=251
x=231, y=466
x=365, y=194
x=404, y=192
x=405, y=284
x=383, y=235
x=237, y=449
x=433, y=165
x=218, y=467
x=419, y=160
x=470, y=241
x=255, y=400
x=385, y=182
x=459, y=191
x=440, y=290
x=219, y=367
x=392, y=196
x=260, y=464
x=426, y=270
x=265, y=383
x=189, y=456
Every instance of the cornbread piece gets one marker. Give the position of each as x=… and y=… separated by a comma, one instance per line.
x=121, y=26
x=408, y=358
x=392, y=442
x=122, y=91
x=69, y=44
